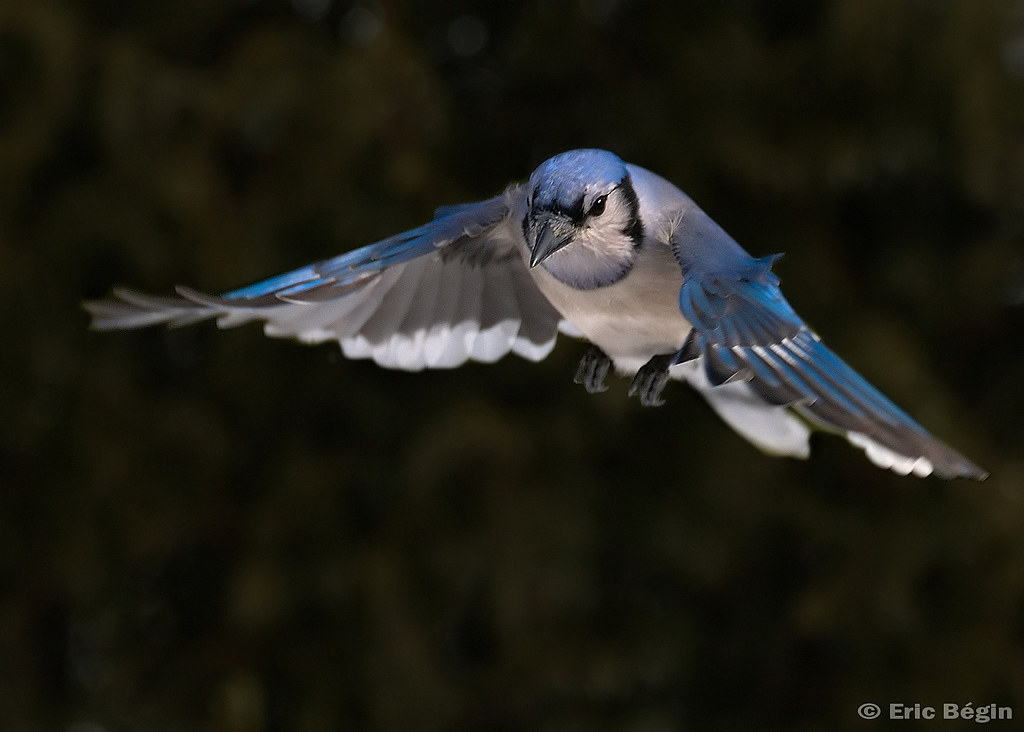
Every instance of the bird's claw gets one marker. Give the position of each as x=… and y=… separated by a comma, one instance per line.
x=593, y=369
x=650, y=380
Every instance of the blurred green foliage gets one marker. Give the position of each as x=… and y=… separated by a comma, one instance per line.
x=210, y=530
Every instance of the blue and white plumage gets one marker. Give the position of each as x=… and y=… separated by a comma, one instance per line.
x=595, y=248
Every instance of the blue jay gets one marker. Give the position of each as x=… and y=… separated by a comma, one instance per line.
x=592, y=247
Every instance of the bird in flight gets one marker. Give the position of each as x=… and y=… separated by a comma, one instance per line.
x=595, y=248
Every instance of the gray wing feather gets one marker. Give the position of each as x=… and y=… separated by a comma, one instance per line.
x=452, y=290
x=497, y=331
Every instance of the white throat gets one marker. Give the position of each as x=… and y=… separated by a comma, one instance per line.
x=599, y=256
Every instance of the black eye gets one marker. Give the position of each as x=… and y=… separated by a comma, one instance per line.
x=597, y=208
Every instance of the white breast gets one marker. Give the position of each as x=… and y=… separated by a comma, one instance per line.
x=633, y=319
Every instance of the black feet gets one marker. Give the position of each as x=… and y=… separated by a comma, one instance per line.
x=593, y=369
x=648, y=383
x=651, y=379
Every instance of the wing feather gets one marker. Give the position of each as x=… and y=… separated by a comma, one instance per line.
x=539, y=322
x=497, y=329
x=745, y=332
x=453, y=289
x=468, y=315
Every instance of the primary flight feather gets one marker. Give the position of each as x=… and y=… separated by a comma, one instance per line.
x=595, y=248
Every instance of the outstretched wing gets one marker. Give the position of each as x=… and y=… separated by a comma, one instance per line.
x=745, y=331
x=451, y=290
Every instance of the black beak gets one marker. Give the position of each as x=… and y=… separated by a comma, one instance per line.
x=555, y=233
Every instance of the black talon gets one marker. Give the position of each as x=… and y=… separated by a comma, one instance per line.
x=651, y=379
x=593, y=368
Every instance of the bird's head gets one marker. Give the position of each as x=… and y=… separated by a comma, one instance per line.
x=582, y=222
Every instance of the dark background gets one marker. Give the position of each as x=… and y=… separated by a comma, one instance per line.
x=204, y=530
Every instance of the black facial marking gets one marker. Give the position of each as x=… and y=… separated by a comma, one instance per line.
x=577, y=213
x=574, y=213
x=634, y=228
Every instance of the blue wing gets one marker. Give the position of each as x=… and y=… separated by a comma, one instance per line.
x=453, y=289
x=744, y=330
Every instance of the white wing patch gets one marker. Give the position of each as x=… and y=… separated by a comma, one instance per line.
x=885, y=458
x=437, y=314
x=776, y=429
